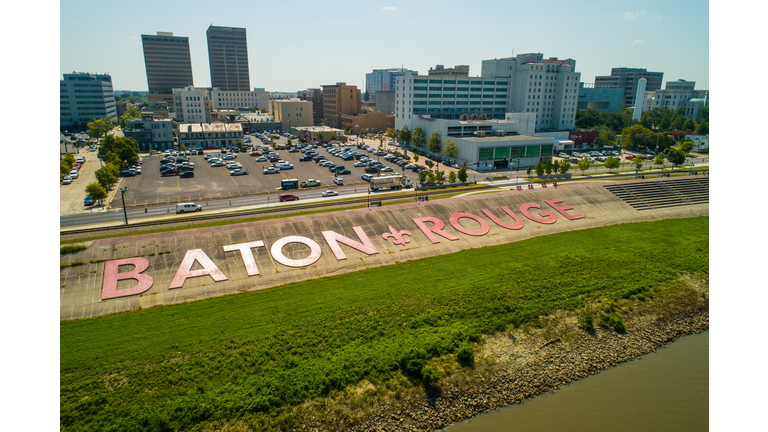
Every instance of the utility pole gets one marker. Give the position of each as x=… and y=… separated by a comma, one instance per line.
x=122, y=196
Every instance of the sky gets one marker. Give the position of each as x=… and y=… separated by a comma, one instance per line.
x=294, y=45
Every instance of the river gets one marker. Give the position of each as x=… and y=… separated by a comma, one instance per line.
x=667, y=390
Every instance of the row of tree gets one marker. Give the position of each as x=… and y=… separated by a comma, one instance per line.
x=437, y=177
x=419, y=139
x=606, y=125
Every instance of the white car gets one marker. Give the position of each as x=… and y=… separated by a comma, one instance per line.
x=73, y=174
x=67, y=180
x=271, y=170
x=359, y=164
x=230, y=156
x=330, y=193
x=234, y=165
x=285, y=166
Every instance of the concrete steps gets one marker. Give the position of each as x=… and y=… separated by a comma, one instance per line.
x=657, y=194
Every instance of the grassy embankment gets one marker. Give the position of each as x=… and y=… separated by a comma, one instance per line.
x=254, y=358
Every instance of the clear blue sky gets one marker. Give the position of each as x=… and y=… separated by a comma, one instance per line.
x=294, y=45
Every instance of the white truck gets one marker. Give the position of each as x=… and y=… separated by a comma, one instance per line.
x=310, y=183
x=394, y=182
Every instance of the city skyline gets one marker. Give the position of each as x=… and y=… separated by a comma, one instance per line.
x=648, y=35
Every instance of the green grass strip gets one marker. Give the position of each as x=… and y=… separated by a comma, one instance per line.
x=252, y=355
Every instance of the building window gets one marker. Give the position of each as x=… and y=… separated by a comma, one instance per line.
x=485, y=154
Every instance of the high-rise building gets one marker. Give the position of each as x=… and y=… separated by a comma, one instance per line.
x=85, y=97
x=228, y=58
x=549, y=88
x=167, y=61
x=383, y=80
x=340, y=99
x=627, y=79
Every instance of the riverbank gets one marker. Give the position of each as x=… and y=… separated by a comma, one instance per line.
x=522, y=363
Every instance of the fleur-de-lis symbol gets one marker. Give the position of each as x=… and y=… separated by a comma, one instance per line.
x=397, y=235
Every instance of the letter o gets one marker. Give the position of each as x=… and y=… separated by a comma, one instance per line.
x=277, y=251
x=483, y=230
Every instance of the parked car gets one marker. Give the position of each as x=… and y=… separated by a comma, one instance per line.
x=305, y=158
x=218, y=164
x=344, y=172
x=67, y=180
x=330, y=193
x=271, y=170
x=238, y=172
x=254, y=153
x=187, y=174
x=338, y=180
x=387, y=169
x=261, y=159
x=310, y=183
x=286, y=166
x=288, y=197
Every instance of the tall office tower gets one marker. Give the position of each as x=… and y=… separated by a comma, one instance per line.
x=167, y=61
x=86, y=97
x=228, y=58
x=383, y=80
x=627, y=80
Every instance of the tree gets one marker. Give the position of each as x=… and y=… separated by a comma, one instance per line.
x=429, y=163
x=416, y=158
x=677, y=123
x=646, y=120
x=419, y=137
x=462, y=174
x=638, y=136
x=320, y=137
x=703, y=115
x=564, y=166
x=381, y=143
x=452, y=177
x=434, y=143
x=539, y=169
x=611, y=163
x=664, y=141
x=585, y=164
x=689, y=125
x=239, y=144
x=95, y=191
x=703, y=128
x=587, y=118
x=333, y=136
x=659, y=160
x=391, y=133
x=439, y=177
x=604, y=134
x=271, y=142
x=422, y=178
x=64, y=169
x=126, y=150
x=637, y=161
x=675, y=156
x=405, y=135
x=106, y=176
x=529, y=170
x=430, y=177
x=99, y=128
x=133, y=112
x=686, y=146
x=69, y=160
x=450, y=149
x=289, y=143
x=548, y=168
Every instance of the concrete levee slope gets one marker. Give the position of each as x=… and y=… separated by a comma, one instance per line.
x=364, y=238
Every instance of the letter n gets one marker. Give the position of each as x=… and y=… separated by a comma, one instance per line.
x=333, y=239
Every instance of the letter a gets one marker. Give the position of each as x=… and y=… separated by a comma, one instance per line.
x=185, y=268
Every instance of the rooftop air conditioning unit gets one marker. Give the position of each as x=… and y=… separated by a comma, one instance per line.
x=499, y=133
x=479, y=133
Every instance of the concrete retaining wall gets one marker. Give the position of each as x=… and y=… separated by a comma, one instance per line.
x=81, y=286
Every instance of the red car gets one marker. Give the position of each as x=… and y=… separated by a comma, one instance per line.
x=274, y=159
x=255, y=153
x=288, y=197
x=630, y=157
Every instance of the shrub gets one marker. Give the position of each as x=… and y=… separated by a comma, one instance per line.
x=615, y=320
x=588, y=321
x=430, y=375
x=72, y=248
x=465, y=355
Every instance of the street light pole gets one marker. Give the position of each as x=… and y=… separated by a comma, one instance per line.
x=122, y=196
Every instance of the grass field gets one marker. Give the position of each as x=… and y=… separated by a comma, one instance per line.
x=253, y=356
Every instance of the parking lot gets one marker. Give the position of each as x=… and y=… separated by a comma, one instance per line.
x=210, y=183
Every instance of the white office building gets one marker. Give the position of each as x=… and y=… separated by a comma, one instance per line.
x=678, y=94
x=210, y=135
x=549, y=88
x=222, y=100
x=192, y=104
x=85, y=97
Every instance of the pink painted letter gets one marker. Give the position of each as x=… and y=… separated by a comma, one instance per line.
x=185, y=268
x=518, y=220
x=430, y=231
x=333, y=239
x=277, y=251
x=562, y=210
x=247, y=254
x=111, y=276
x=551, y=216
x=483, y=230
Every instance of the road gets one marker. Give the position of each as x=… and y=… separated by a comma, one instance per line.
x=98, y=216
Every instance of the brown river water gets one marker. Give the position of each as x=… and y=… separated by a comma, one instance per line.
x=667, y=390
